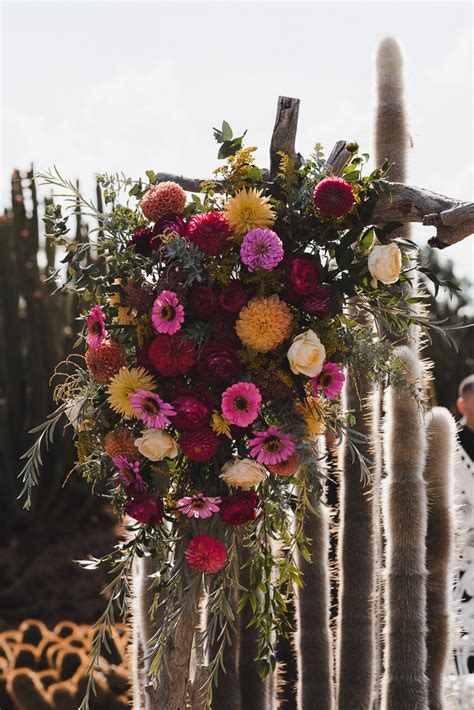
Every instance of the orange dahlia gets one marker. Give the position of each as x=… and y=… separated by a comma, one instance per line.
x=264, y=324
x=160, y=200
x=286, y=468
x=104, y=362
x=121, y=442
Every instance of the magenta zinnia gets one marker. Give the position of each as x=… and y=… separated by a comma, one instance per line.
x=241, y=403
x=199, y=506
x=96, y=332
x=167, y=313
x=151, y=409
x=330, y=380
x=271, y=446
x=129, y=475
x=261, y=248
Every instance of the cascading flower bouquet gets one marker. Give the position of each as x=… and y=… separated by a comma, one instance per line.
x=215, y=347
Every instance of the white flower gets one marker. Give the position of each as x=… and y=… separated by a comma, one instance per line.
x=385, y=262
x=156, y=445
x=306, y=354
x=243, y=473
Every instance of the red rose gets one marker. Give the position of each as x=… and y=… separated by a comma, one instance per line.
x=172, y=355
x=202, y=301
x=170, y=224
x=233, y=297
x=319, y=303
x=208, y=231
x=146, y=510
x=302, y=275
x=239, y=508
x=219, y=363
x=192, y=410
x=199, y=445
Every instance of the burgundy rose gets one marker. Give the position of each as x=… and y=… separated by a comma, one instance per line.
x=202, y=300
x=141, y=240
x=233, y=297
x=319, y=303
x=218, y=363
x=239, y=508
x=302, y=276
x=170, y=224
x=192, y=410
x=146, y=510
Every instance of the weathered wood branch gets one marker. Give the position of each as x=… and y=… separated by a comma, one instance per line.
x=338, y=157
x=284, y=132
x=453, y=219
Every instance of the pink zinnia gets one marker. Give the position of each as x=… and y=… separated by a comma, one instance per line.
x=167, y=313
x=261, y=248
x=271, y=446
x=151, y=409
x=96, y=332
x=241, y=403
x=330, y=380
x=205, y=554
x=129, y=475
x=199, y=506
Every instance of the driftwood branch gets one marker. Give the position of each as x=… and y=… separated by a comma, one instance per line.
x=338, y=157
x=284, y=132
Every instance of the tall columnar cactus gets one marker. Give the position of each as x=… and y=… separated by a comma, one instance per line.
x=314, y=639
x=439, y=478
x=356, y=627
x=405, y=685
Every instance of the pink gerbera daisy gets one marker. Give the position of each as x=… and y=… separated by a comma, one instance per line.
x=96, y=332
x=167, y=313
x=241, y=403
x=199, y=506
x=261, y=248
x=129, y=475
x=271, y=446
x=205, y=554
x=151, y=409
x=330, y=380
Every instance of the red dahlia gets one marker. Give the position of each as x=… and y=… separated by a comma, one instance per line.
x=239, y=508
x=205, y=554
x=208, y=231
x=202, y=300
x=199, y=444
x=333, y=197
x=172, y=355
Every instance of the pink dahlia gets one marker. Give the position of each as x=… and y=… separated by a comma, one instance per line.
x=167, y=314
x=163, y=199
x=151, y=409
x=241, y=403
x=208, y=231
x=333, y=197
x=205, y=554
x=96, y=332
x=199, y=506
x=271, y=446
x=129, y=475
x=261, y=248
x=199, y=445
x=330, y=380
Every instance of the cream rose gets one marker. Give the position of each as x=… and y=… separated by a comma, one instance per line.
x=385, y=262
x=155, y=445
x=306, y=354
x=242, y=472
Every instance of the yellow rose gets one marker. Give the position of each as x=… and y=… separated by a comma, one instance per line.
x=243, y=473
x=385, y=262
x=306, y=354
x=156, y=445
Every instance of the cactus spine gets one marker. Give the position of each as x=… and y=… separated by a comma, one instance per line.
x=314, y=638
x=405, y=685
x=439, y=478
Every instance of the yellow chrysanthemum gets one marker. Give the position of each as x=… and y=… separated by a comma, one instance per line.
x=125, y=382
x=220, y=425
x=248, y=210
x=264, y=323
x=313, y=413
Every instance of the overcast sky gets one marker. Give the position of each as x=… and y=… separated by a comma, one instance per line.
x=101, y=86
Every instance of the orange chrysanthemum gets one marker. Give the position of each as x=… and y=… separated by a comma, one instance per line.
x=264, y=324
x=121, y=442
x=160, y=200
x=285, y=468
x=105, y=361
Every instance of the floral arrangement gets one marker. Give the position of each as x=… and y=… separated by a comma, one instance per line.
x=216, y=340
